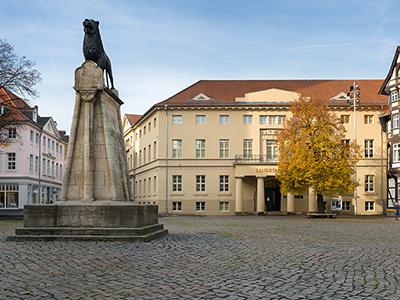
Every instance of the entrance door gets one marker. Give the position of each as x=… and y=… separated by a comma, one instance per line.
x=272, y=196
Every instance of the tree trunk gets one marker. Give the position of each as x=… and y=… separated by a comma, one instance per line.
x=320, y=203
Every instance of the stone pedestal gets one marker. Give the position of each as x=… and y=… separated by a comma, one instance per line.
x=96, y=202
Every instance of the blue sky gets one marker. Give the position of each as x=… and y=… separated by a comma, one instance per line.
x=159, y=47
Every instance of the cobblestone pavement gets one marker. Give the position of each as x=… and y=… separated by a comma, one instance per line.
x=214, y=258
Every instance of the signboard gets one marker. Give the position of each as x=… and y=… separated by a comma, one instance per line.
x=336, y=204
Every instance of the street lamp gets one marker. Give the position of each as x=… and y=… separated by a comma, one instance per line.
x=354, y=100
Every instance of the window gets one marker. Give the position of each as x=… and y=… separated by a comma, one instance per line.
x=396, y=153
x=36, y=164
x=61, y=173
x=48, y=143
x=57, y=148
x=155, y=184
x=12, y=133
x=154, y=150
x=149, y=186
x=149, y=152
x=56, y=171
x=272, y=119
x=52, y=169
x=9, y=195
x=369, y=148
x=200, y=148
x=44, y=166
x=263, y=119
x=176, y=206
x=247, y=119
x=369, y=205
x=346, y=205
x=61, y=149
x=177, y=183
x=144, y=187
x=281, y=119
x=200, y=206
x=224, y=206
x=144, y=155
x=200, y=183
x=144, y=130
x=223, y=148
x=48, y=167
x=200, y=119
x=154, y=122
x=31, y=136
x=11, y=161
x=345, y=119
x=394, y=96
x=395, y=121
x=368, y=119
x=31, y=163
x=224, y=183
x=149, y=126
x=369, y=183
x=44, y=142
x=176, y=119
x=223, y=119
x=272, y=150
x=176, y=148
x=247, y=148
x=37, y=139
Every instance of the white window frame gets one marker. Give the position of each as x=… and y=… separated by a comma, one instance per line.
x=368, y=148
x=12, y=134
x=32, y=136
x=176, y=183
x=176, y=206
x=200, y=148
x=224, y=206
x=224, y=148
x=200, y=206
x=12, y=161
x=176, y=148
x=394, y=96
x=247, y=119
x=247, y=148
x=369, y=205
x=224, y=183
x=200, y=183
x=31, y=163
x=369, y=183
x=177, y=119
x=200, y=119
x=396, y=121
x=396, y=153
x=224, y=119
x=368, y=119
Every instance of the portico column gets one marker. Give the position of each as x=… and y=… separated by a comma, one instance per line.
x=239, y=194
x=260, y=194
x=290, y=203
x=312, y=201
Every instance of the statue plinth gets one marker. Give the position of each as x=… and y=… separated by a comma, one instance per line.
x=95, y=202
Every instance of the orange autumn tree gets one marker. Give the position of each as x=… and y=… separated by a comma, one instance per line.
x=312, y=153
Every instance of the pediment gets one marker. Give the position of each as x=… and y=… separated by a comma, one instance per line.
x=201, y=97
x=270, y=95
x=340, y=96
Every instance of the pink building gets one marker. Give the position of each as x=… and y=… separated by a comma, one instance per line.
x=32, y=156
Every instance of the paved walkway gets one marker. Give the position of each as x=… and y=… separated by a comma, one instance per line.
x=214, y=258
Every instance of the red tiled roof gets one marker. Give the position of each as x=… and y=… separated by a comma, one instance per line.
x=132, y=118
x=9, y=99
x=225, y=91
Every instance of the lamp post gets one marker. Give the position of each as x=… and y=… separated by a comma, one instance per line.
x=354, y=100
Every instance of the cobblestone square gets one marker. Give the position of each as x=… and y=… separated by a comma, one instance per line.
x=246, y=257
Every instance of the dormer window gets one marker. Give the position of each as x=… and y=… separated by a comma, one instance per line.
x=394, y=96
x=34, y=116
x=4, y=110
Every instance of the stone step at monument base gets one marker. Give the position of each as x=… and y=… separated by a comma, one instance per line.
x=90, y=221
x=144, y=234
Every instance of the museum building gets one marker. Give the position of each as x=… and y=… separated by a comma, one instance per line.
x=211, y=149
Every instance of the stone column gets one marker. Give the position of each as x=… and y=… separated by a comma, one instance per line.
x=312, y=201
x=260, y=194
x=239, y=194
x=290, y=203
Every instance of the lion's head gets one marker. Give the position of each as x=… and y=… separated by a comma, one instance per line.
x=90, y=26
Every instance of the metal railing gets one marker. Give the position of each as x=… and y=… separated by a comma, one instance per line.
x=254, y=159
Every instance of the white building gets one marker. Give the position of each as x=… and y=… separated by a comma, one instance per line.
x=32, y=157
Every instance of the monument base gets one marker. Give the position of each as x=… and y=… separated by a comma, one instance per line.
x=90, y=221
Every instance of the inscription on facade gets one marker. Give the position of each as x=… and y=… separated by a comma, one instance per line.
x=266, y=170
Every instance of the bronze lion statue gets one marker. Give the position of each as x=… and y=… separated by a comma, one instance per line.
x=93, y=48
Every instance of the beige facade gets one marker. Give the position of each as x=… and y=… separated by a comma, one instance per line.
x=200, y=152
